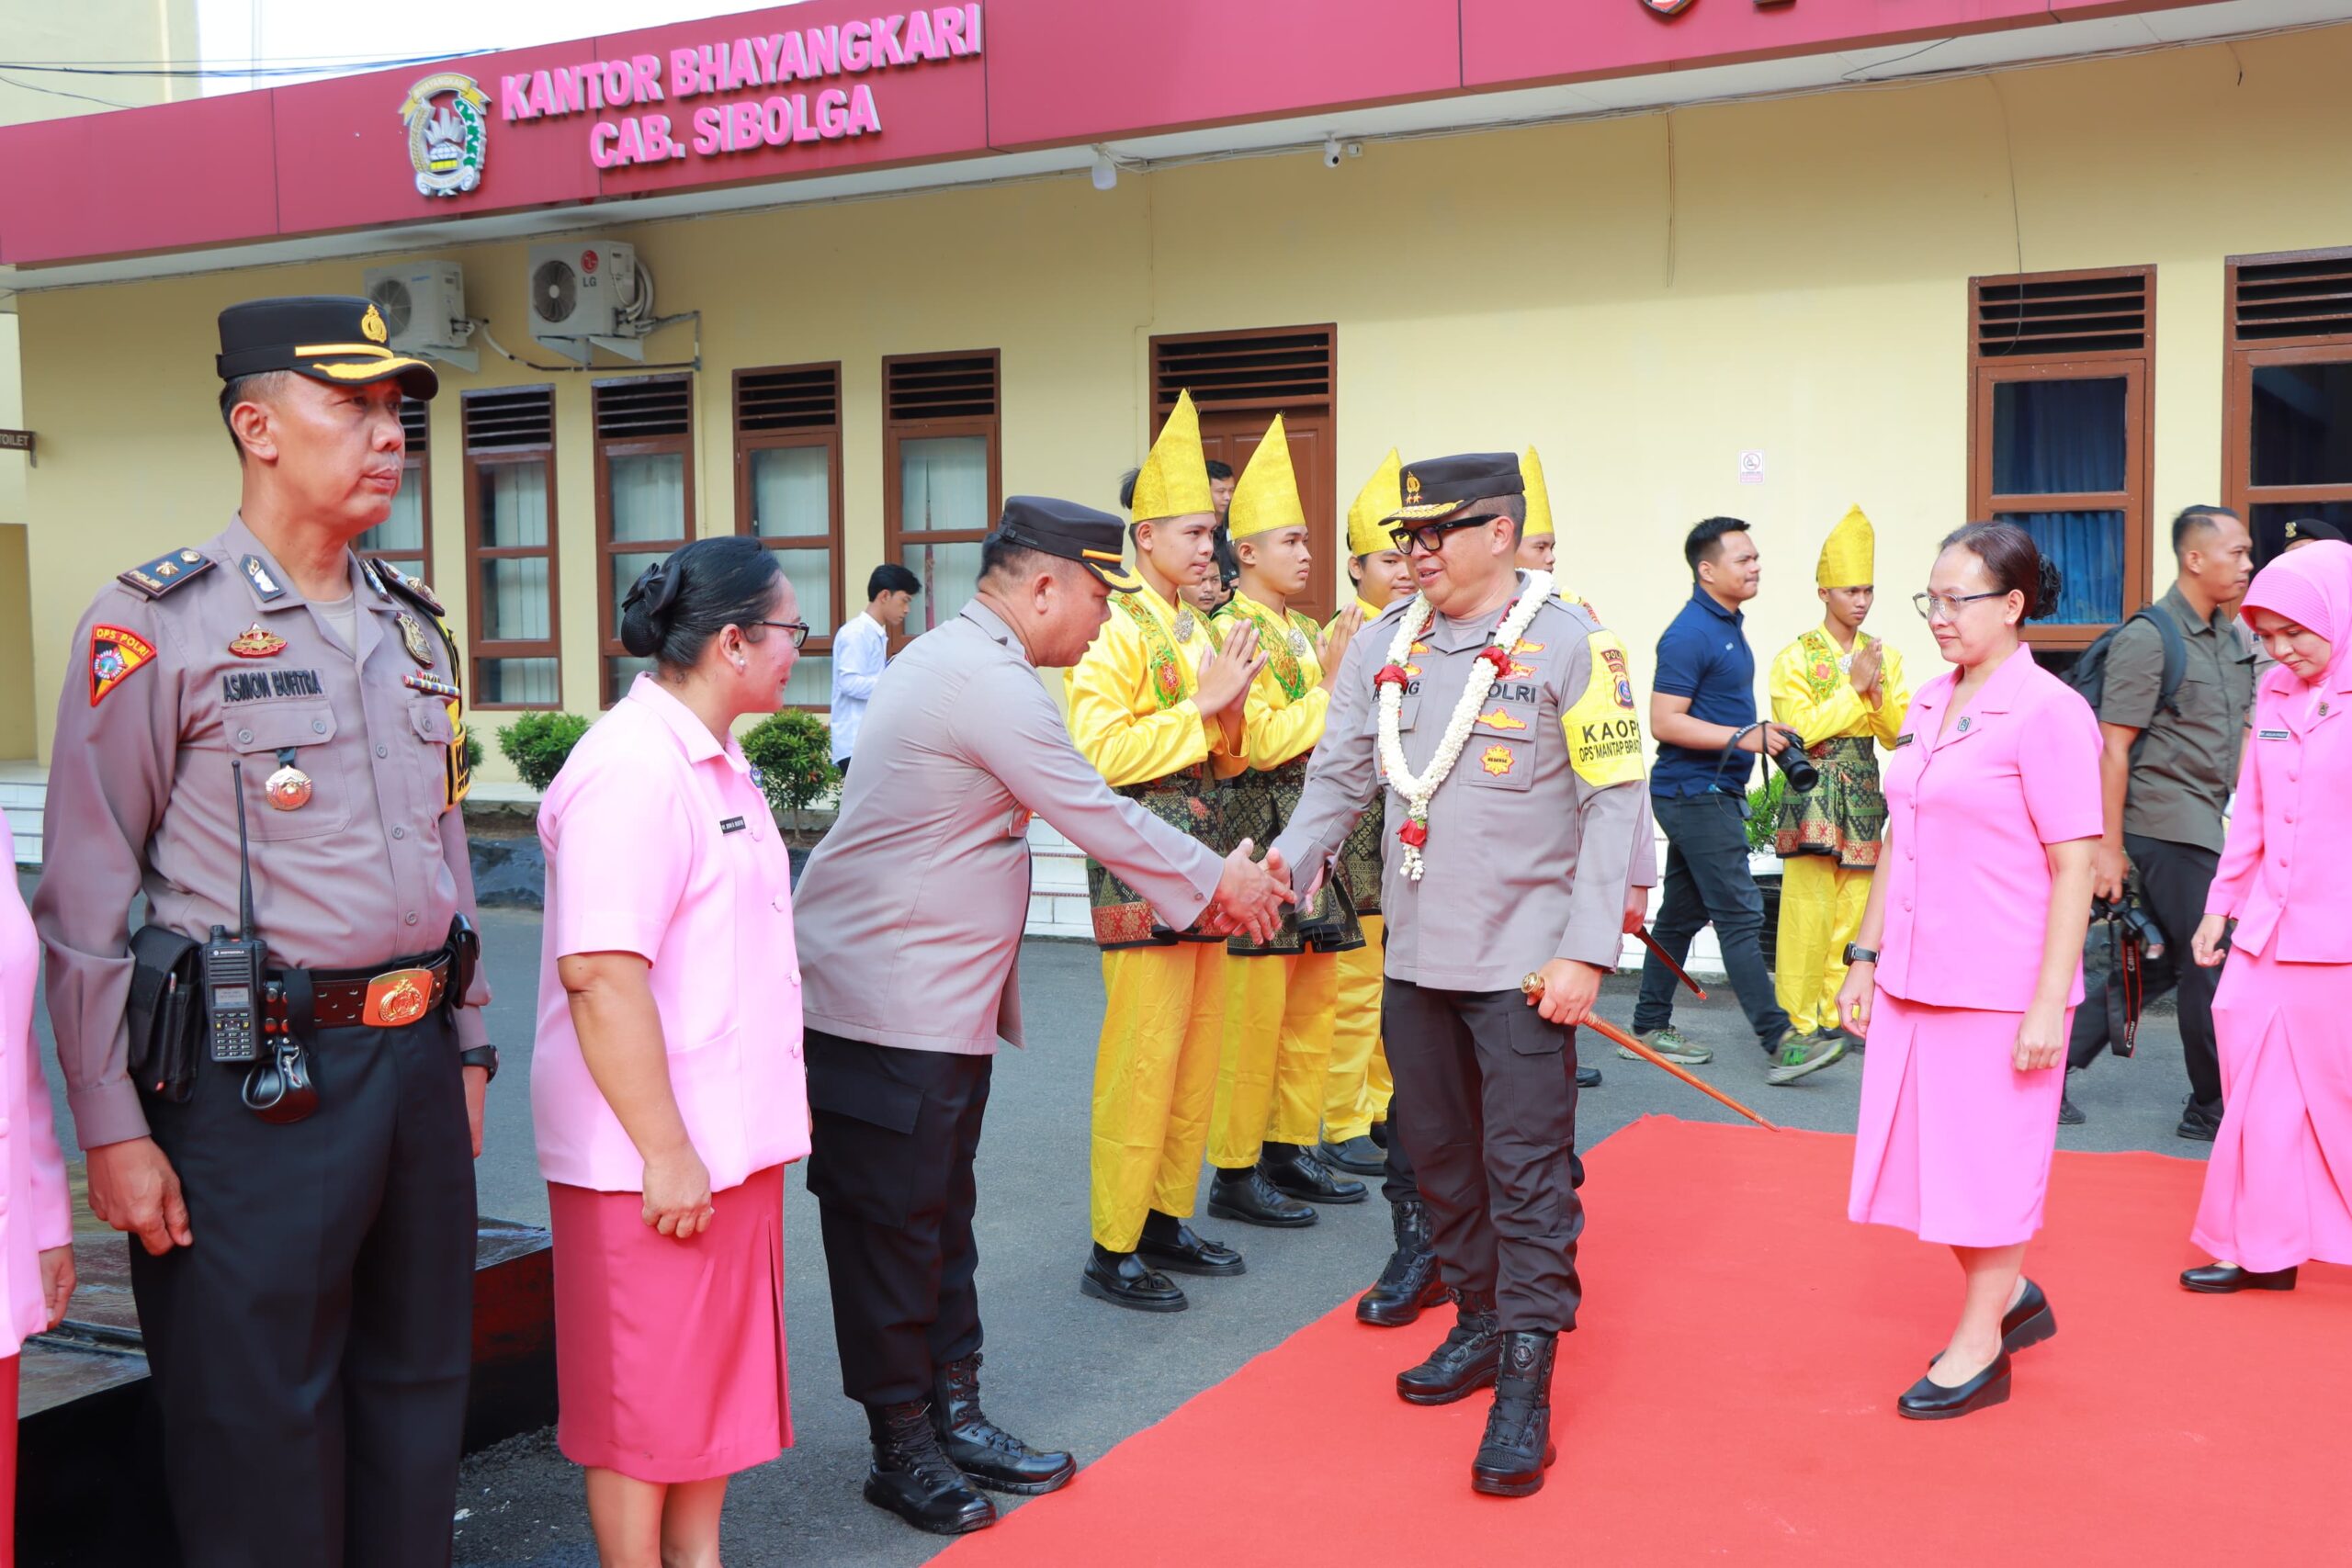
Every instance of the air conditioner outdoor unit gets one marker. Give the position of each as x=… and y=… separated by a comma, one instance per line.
x=423, y=304
x=590, y=292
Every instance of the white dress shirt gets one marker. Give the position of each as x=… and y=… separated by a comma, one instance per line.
x=860, y=650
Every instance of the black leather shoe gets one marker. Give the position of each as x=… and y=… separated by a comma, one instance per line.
x=1926, y=1401
x=2069, y=1114
x=2197, y=1123
x=2228, y=1279
x=1409, y=1281
x=1247, y=1196
x=1587, y=1078
x=1517, y=1449
x=1466, y=1361
x=2027, y=1323
x=1294, y=1170
x=987, y=1454
x=1124, y=1280
x=1169, y=1243
x=1358, y=1155
x=911, y=1478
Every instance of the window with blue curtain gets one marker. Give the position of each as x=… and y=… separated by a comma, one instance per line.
x=2068, y=438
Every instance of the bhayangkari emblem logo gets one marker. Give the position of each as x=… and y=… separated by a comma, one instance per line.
x=448, y=134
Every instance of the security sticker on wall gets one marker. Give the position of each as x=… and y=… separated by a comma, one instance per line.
x=1604, y=737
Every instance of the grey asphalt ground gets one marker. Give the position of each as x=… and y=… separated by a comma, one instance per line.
x=1063, y=1370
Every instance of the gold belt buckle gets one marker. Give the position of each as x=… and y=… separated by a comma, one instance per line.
x=398, y=997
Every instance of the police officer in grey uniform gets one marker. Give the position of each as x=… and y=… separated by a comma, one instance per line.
x=303, y=1221
x=1496, y=948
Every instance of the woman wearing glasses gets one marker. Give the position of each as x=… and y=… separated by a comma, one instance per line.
x=1969, y=964
x=667, y=1090
x=2278, y=1188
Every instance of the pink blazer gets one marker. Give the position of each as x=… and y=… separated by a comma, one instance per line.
x=1968, y=820
x=2285, y=870
x=35, y=1211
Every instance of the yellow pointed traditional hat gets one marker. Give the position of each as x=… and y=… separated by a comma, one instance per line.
x=1367, y=534
x=1849, y=557
x=1266, y=495
x=1175, y=480
x=1539, y=500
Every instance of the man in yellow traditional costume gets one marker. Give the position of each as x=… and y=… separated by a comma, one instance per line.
x=1158, y=709
x=1281, y=995
x=1356, y=1089
x=1844, y=692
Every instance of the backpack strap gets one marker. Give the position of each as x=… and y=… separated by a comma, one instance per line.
x=2176, y=665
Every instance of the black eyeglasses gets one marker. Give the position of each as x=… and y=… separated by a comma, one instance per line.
x=1431, y=536
x=1929, y=605
x=799, y=630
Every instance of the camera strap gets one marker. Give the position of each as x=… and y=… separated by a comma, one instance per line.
x=2126, y=956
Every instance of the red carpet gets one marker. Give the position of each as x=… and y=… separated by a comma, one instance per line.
x=1729, y=1397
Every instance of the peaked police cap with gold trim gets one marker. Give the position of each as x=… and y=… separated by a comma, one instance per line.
x=336, y=338
x=1440, y=487
x=1076, y=533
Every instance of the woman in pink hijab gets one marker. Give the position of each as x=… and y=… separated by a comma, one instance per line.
x=2276, y=1191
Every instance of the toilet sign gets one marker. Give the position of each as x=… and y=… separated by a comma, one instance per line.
x=1751, y=467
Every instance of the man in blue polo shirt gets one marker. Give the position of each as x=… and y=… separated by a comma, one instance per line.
x=1703, y=713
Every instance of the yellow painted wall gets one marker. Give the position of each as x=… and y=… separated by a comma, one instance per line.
x=1490, y=291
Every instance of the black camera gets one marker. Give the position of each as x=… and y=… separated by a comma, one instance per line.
x=2137, y=926
x=1793, y=762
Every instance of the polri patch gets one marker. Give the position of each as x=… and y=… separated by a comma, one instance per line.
x=115, y=654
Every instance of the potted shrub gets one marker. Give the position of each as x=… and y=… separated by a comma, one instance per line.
x=792, y=752
x=1763, y=861
x=537, y=744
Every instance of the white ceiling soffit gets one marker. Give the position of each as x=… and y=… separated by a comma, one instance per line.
x=1464, y=113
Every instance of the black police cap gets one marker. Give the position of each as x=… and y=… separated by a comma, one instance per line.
x=1064, y=528
x=2304, y=529
x=337, y=338
x=1442, y=486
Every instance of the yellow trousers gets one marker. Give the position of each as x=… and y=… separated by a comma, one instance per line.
x=1277, y=1050
x=1356, y=1090
x=1821, y=910
x=1154, y=1078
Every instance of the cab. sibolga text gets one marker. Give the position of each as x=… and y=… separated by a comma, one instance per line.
x=778, y=88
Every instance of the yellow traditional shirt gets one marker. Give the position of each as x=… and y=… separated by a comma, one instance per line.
x=1131, y=708
x=1813, y=694
x=1283, y=715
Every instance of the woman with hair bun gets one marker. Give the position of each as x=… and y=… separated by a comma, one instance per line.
x=2278, y=1188
x=1969, y=965
x=667, y=1091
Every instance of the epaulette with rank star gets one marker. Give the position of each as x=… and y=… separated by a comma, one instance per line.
x=173, y=568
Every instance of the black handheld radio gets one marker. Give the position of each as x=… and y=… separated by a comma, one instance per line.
x=233, y=964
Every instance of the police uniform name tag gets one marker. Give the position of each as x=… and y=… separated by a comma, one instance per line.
x=2273, y=735
x=1905, y=739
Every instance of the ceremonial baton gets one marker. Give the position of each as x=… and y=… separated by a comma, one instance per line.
x=1651, y=942
x=1534, y=987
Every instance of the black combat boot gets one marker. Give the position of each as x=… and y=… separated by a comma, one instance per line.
x=1464, y=1362
x=1517, y=1448
x=914, y=1480
x=1409, y=1282
x=987, y=1454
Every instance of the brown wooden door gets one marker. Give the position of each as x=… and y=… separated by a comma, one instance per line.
x=1233, y=437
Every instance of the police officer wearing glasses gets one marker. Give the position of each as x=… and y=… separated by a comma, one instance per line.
x=284, y=1124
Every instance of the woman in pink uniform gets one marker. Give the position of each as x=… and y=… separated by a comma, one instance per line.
x=1969, y=964
x=667, y=1091
x=36, y=1213
x=2276, y=1189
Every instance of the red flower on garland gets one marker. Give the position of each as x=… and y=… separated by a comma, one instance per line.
x=1414, y=834
x=1390, y=675
x=1498, y=656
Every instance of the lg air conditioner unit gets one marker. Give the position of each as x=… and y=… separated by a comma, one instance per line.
x=423, y=304
x=590, y=293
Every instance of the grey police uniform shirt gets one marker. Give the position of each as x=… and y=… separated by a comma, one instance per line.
x=158, y=704
x=910, y=912
x=1531, y=837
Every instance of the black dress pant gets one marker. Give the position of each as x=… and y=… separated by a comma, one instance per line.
x=311, y=1350
x=2174, y=880
x=1398, y=1183
x=1486, y=1106
x=893, y=1134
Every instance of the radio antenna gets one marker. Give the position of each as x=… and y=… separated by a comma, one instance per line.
x=245, y=858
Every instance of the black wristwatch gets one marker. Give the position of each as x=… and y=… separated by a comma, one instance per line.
x=1859, y=954
x=485, y=1057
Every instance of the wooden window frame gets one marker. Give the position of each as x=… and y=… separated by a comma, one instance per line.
x=833, y=538
x=894, y=431
x=609, y=550
x=417, y=474
x=2137, y=367
x=478, y=648
x=2240, y=360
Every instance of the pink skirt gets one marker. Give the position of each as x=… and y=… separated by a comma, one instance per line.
x=668, y=1355
x=2275, y=1188
x=1953, y=1143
